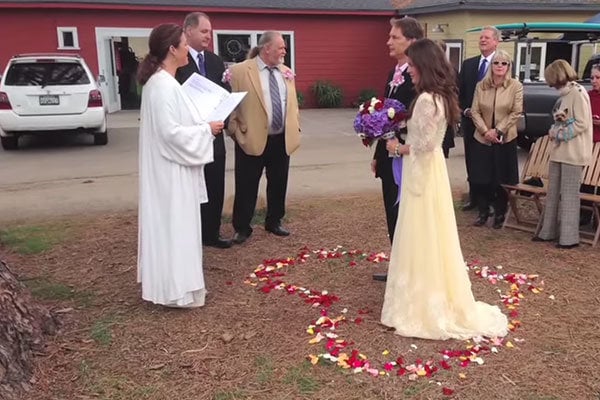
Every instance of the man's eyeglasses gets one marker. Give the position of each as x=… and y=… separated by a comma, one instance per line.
x=503, y=63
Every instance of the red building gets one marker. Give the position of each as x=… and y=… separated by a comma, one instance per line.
x=342, y=42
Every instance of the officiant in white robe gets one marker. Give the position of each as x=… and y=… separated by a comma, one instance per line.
x=174, y=145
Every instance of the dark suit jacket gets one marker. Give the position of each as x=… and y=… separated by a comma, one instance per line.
x=214, y=71
x=405, y=94
x=466, y=91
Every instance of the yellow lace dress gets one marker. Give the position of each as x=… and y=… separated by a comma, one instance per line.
x=428, y=292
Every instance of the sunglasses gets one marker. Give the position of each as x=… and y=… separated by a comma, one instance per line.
x=503, y=63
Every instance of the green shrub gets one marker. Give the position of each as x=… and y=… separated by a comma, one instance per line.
x=300, y=97
x=328, y=95
x=364, y=95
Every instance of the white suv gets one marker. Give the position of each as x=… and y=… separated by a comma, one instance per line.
x=48, y=93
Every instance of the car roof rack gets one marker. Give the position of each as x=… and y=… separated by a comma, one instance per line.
x=47, y=55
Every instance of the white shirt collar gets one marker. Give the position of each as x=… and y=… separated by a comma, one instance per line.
x=402, y=67
x=195, y=53
x=261, y=64
x=488, y=58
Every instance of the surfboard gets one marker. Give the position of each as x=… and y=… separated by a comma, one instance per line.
x=556, y=27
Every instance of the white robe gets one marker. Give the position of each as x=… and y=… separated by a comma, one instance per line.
x=175, y=144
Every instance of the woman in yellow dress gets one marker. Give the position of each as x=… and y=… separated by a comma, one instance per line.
x=428, y=291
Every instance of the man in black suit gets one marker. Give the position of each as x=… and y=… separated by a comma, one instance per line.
x=198, y=32
x=472, y=71
x=399, y=86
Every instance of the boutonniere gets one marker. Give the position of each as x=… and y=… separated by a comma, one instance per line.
x=226, y=78
x=288, y=74
x=397, y=80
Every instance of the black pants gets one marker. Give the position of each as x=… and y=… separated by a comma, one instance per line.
x=492, y=194
x=468, y=130
x=390, y=197
x=214, y=175
x=248, y=170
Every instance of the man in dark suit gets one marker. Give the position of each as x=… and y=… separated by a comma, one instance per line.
x=472, y=71
x=198, y=32
x=399, y=86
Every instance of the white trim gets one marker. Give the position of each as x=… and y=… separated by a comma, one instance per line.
x=254, y=40
x=542, y=66
x=60, y=30
x=104, y=35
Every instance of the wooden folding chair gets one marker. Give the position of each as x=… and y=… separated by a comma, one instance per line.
x=536, y=167
x=591, y=177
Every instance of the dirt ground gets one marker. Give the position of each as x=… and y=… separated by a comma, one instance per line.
x=251, y=340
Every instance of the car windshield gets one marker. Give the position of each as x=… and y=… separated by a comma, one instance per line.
x=46, y=74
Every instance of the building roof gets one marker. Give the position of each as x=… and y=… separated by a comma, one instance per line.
x=286, y=5
x=413, y=7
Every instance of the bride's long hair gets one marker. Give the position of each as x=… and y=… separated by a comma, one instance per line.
x=436, y=76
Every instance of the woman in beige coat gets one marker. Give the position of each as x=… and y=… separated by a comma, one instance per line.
x=497, y=105
x=572, y=150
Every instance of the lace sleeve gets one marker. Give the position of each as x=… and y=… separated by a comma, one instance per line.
x=427, y=116
x=423, y=132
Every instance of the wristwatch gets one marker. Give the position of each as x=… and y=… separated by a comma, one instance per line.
x=500, y=135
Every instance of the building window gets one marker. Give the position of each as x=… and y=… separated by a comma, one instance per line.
x=454, y=52
x=67, y=38
x=233, y=46
x=538, y=61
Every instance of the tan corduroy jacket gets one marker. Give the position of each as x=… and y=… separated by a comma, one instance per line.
x=504, y=103
x=248, y=124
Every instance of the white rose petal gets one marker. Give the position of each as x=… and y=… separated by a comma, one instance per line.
x=391, y=113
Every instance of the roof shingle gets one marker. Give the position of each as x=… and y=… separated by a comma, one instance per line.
x=328, y=5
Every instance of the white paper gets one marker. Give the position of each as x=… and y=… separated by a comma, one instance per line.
x=212, y=101
x=226, y=106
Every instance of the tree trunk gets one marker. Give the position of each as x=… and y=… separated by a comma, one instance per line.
x=23, y=324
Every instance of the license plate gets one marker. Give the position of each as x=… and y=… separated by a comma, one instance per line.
x=49, y=100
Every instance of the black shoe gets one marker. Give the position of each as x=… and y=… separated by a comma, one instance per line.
x=277, y=230
x=566, y=246
x=381, y=277
x=498, y=222
x=468, y=206
x=481, y=220
x=219, y=243
x=539, y=239
x=239, y=238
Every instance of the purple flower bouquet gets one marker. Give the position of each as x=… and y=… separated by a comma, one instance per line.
x=379, y=119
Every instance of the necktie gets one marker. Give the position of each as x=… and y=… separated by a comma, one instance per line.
x=481, y=72
x=398, y=77
x=201, y=66
x=277, y=120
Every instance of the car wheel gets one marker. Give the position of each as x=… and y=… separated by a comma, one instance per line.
x=101, y=138
x=10, y=142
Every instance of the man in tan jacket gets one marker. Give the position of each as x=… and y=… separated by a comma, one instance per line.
x=266, y=131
